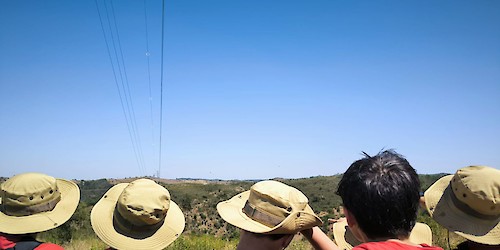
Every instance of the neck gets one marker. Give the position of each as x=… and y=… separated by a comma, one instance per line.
x=404, y=241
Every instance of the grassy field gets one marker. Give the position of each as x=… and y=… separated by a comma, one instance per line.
x=205, y=229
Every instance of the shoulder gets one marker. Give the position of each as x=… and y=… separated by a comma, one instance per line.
x=377, y=245
x=389, y=245
x=7, y=241
x=49, y=246
x=427, y=247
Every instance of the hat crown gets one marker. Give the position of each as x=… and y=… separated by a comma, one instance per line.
x=143, y=202
x=277, y=198
x=29, y=189
x=479, y=188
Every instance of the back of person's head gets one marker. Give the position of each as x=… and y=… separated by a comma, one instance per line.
x=137, y=215
x=382, y=193
x=468, y=204
x=269, y=207
x=35, y=202
x=269, y=214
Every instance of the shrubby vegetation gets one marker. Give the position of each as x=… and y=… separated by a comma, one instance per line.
x=205, y=229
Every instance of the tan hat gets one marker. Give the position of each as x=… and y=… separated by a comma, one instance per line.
x=421, y=234
x=137, y=215
x=269, y=207
x=34, y=202
x=468, y=203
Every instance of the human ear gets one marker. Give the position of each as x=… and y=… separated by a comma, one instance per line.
x=422, y=202
x=351, y=220
x=354, y=227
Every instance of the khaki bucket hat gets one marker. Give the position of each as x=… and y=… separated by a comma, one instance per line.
x=34, y=202
x=269, y=207
x=345, y=239
x=468, y=203
x=137, y=215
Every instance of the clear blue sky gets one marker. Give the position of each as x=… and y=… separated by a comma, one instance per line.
x=252, y=89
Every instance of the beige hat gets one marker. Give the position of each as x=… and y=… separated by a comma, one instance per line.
x=34, y=202
x=468, y=203
x=137, y=215
x=421, y=234
x=269, y=207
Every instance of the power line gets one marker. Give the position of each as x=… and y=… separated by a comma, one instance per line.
x=128, y=94
x=122, y=75
x=130, y=127
x=148, y=54
x=116, y=81
x=161, y=78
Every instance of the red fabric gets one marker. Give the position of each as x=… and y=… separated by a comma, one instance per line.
x=393, y=245
x=49, y=246
x=8, y=241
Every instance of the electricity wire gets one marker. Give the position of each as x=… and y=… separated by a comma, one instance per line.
x=128, y=118
x=161, y=79
x=148, y=54
x=129, y=103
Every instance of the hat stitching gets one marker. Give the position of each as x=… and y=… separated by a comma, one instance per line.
x=484, y=231
x=30, y=210
x=261, y=216
x=468, y=210
x=478, y=194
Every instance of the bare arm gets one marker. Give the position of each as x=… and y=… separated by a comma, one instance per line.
x=319, y=240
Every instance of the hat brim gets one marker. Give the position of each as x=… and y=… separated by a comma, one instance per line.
x=101, y=218
x=43, y=221
x=231, y=211
x=343, y=236
x=345, y=239
x=439, y=204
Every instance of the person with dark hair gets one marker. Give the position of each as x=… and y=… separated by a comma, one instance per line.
x=381, y=197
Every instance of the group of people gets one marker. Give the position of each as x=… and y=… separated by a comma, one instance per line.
x=380, y=194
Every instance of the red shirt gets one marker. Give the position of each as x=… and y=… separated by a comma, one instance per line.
x=9, y=241
x=393, y=245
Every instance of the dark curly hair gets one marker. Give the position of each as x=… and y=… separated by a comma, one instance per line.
x=382, y=192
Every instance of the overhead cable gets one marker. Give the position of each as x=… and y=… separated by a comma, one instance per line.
x=161, y=79
x=126, y=111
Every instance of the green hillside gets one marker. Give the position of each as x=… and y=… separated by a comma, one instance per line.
x=198, y=200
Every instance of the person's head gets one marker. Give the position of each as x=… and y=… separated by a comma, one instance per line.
x=137, y=215
x=380, y=195
x=468, y=204
x=270, y=211
x=33, y=202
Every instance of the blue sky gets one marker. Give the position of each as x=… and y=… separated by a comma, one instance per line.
x=251, y=89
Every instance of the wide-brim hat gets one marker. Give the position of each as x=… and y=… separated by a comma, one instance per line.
x=269, y=207
x=34, y=202
x=345, y=239
x=161, y=235
x=468, y=203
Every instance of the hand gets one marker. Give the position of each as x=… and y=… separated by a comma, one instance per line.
x=331, y=221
